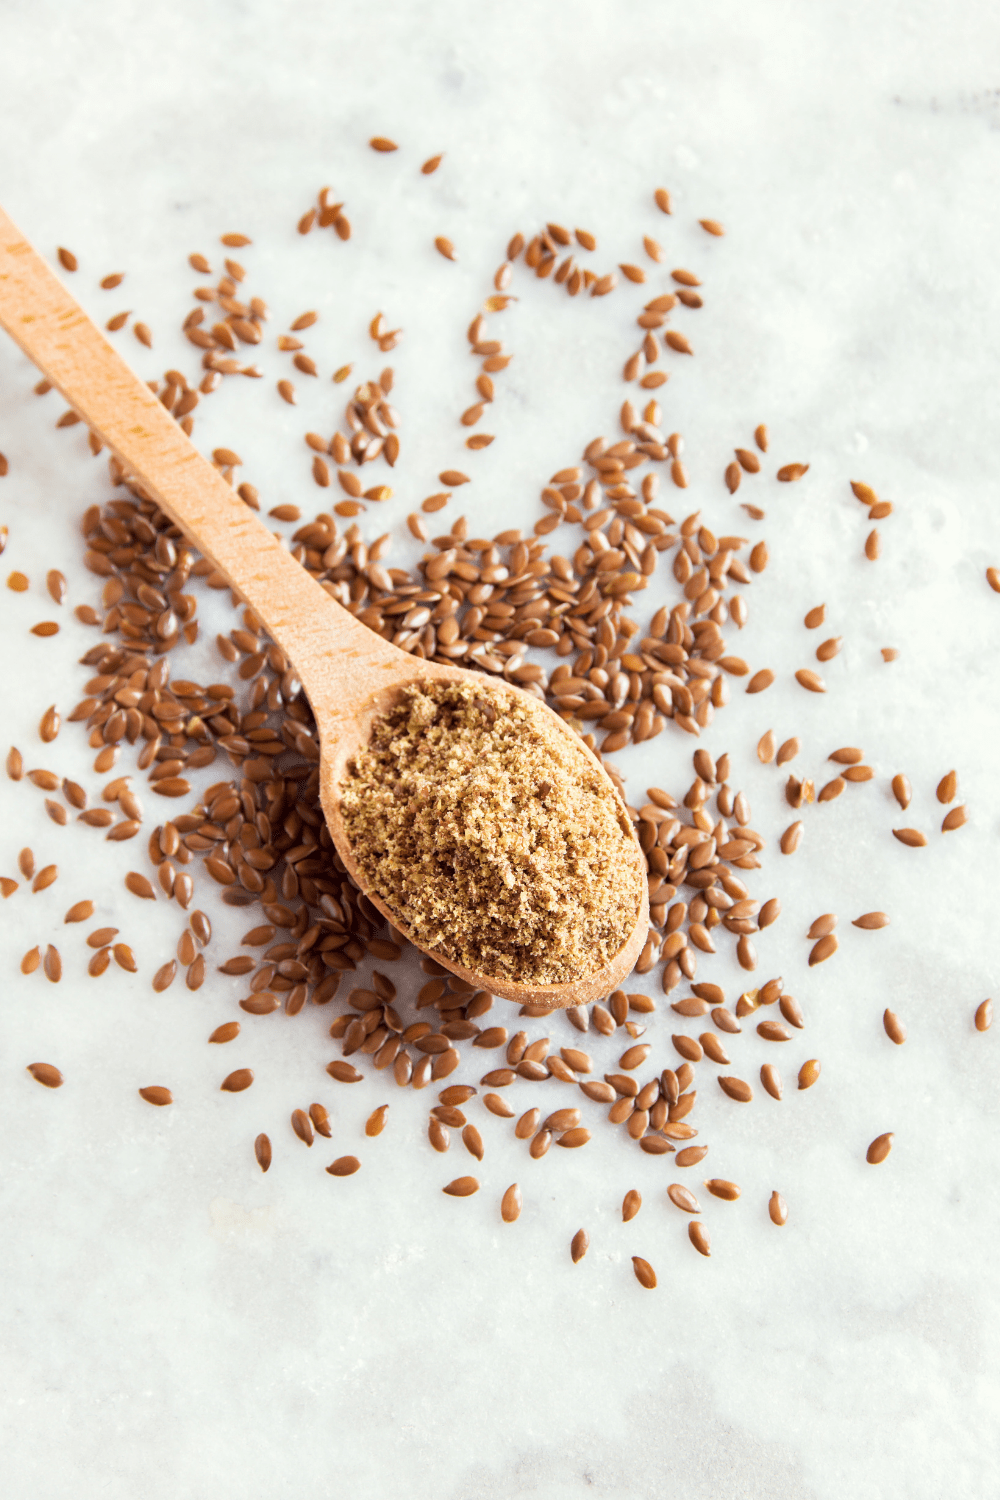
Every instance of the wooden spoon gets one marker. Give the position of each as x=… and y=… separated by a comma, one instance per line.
x=349, y=674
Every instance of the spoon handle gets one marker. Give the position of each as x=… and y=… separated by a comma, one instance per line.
x=310, y=627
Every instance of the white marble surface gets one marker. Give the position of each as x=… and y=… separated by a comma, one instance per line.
x=173, y=1322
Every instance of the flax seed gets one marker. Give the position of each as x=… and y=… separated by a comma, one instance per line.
x=346, y=1166
x=237, y=1081
x=771, y=1080
x=809, y=1072
x=698, y=1235
x=156, y=1094
x=984, y=1015
x=912, y=837
x=720, y=1188
x=644, y=1273
x=46, y=1074
x=879, y=1148
x=894, y=1028
x=462, y=1187
x=777, y=1209
x=765, y=748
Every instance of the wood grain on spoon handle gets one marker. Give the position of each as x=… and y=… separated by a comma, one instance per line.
x=338, y=659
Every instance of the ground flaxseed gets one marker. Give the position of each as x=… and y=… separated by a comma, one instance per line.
x=499, y=845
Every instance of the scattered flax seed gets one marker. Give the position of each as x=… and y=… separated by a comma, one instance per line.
x=894, y=1028
x=510, y=1204
x=45, y=878
x=789, y=473
x=760, y=681
x=765, y=747
x=235, y=241
x=815, y=617
x=993, y=579
x=912, y=837
x=683, y=1198
x=771, y=1080
x=631, y=1204
x=45, y=628
x=698, y=1235
x=460, y=1187
x=382, y=143
x=262, y=1151
x=889, y=653
x=736, y=1088
x=955, y=819
x=809, y=1072
x=156, y=1094
x=822, y=926
x=80, y=912
x=791, y=838
x=227, y=1032
x=788, y=751
x=777, y=1209
x=7, y=886
x=31, y=960
x=579, y=1245
x=445, y=247
x=236, y=1082
x=662, y=200
x=872, y=546
x=871, y=921
x=824, y=949
x=461, y=882
x=711, y=226
x=108, y=283
x=320, y=1117
x=46, y=1074
x=644, y=1273
x=143, y=334
x=52, y=964
x=15, y=764
x=984, y=1015
x=810, y=680
x=124, y=957
x=17, y=582
x=67, y=259
x=879, y=1148
x=431, y=164
x=720, y=1188
x=164, y=977
x=303, y=1126
x=140, y=886
x=375, y=1123
x=760, y=437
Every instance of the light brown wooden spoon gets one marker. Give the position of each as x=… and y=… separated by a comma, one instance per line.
x=349, y=674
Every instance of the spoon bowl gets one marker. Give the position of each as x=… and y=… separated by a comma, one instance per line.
x=349, y=674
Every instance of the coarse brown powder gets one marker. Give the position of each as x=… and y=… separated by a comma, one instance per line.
x=497, y=843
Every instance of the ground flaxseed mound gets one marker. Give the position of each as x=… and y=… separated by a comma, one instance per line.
x=498, y=844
